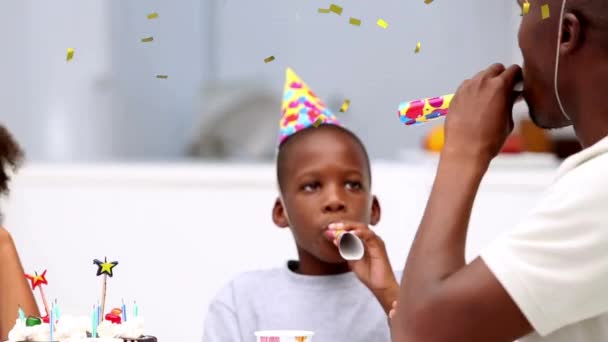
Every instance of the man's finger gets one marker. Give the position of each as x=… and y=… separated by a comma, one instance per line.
x=494, y=70
x=511, y=75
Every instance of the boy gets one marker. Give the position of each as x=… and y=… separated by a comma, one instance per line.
x=324, y=180
x=14, y=289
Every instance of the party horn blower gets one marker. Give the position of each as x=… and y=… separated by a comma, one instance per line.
x=104, y=268
x=37, y=281
x=350, y=245
x=420, y=111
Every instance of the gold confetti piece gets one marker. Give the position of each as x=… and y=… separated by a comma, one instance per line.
x=545, y=11
x=345, y=106
x=70, y=54
x=147, y=39
x=382, y=23
x=418, y=47
x=153, y=15
x=525, y=8
x=336, y=9
x=355, y=21
x=162, y=76
x=428, y=1
x=269, y=59
x=324, y=10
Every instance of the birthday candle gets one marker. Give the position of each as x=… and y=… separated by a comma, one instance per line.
x=21, y=314
x=57, y=312
x=135, y=309
x=94, y=322
x=124, y=311
x=52, y=321
x=98, y=314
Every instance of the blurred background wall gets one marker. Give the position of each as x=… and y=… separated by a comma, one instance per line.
x=107, y=104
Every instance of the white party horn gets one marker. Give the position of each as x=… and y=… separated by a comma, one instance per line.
x=350, y=246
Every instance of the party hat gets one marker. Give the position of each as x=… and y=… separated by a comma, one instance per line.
x=301, y=108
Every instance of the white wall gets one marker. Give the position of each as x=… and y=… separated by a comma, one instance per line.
x=180, y=232
x=106, y=104
x=91, y=108
x=375, y=68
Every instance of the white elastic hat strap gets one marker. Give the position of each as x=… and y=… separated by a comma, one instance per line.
x=559, y=40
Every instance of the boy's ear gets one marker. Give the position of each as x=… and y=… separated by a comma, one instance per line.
x=376, y=211
x=279, y=214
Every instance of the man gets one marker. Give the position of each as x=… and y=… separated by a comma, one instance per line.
x=546, y=280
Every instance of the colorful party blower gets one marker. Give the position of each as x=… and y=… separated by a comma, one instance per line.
x=37, y=281
x=421, y=111
x=104, y=268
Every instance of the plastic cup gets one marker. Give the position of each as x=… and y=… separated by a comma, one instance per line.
x=284, y=336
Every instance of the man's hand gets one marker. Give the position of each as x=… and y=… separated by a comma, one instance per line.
x=480, y=118
x=374, y=270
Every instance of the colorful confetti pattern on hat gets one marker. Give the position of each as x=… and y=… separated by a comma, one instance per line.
x=301, y=108
x=420, y=111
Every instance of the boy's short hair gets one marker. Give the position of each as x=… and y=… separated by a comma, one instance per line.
x=11, y=157
x=284, y=148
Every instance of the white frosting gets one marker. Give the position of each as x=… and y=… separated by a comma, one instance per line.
x=132, y=328
x=74, y=329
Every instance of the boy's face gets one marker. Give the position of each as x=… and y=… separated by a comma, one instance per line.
x=325, y=180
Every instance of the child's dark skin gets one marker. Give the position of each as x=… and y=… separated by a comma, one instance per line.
x=326, y=187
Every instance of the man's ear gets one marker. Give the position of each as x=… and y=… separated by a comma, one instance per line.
x=375, y=212
x=279, y=214
x=571, y=34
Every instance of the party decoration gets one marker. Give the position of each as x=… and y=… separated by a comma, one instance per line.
x=419, y=111
x=545, y=12
x=70, y=55
x=153, y=15
x=114, y=316
x=428, y=2
x=336, y=9
x=301, y=108
x=355, y=21
x=32, y=321
x=37, y=280
x=104, y=268
x=345, y=106
x=324, y=10
x=525, y=8
x=269, y=59
x=147, y=39
x=164, y=77
x=382, y=23
x=418, y=47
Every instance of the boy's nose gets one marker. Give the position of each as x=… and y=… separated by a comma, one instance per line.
x=334, y=203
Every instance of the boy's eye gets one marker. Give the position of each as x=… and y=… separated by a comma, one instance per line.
x=312, y=186
x=354, y=185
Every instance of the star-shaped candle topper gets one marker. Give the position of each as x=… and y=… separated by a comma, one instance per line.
x=37, y=280
x=105, y=267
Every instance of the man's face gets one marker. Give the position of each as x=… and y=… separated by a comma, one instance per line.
x=325, y=181
x=538, y=43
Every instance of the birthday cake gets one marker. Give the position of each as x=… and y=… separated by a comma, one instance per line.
x=115, y=326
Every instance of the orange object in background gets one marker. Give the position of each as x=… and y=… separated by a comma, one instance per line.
x=436, y=138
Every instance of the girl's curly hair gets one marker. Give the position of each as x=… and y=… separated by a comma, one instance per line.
x=11, y=157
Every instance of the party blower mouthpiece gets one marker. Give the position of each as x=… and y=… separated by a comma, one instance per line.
x=350, y=246
x=421, y=111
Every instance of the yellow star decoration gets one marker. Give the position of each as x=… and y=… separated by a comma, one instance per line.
x=105, y=267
